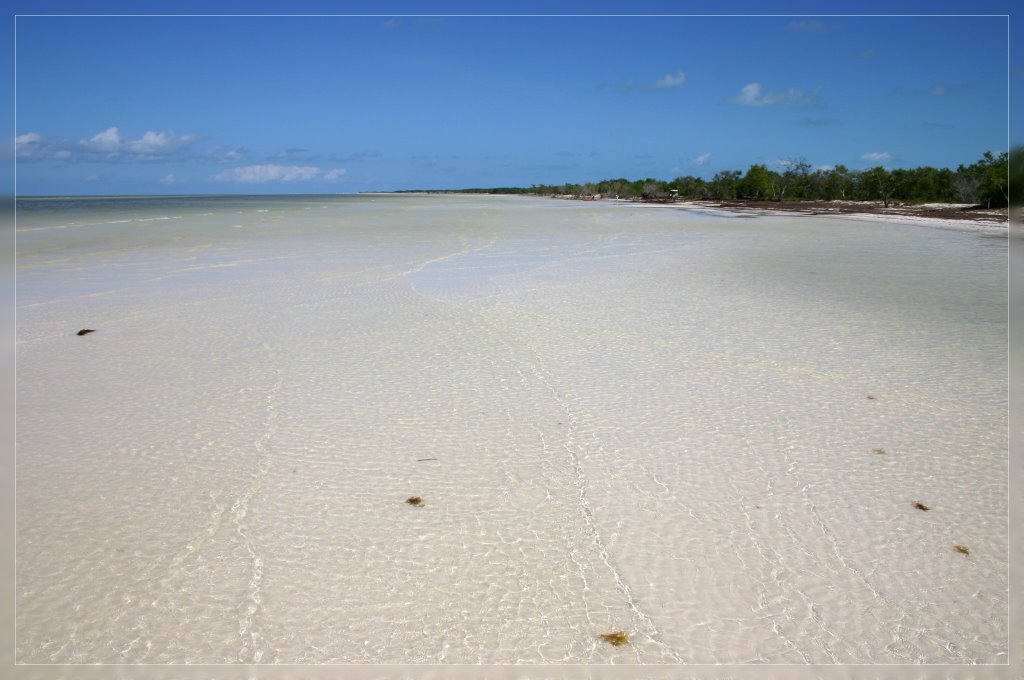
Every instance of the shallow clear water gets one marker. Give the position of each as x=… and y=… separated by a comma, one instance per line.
x=618, y=418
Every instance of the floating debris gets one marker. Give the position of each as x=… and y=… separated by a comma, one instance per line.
x=872, y=398
x=921, y=506
x=617, y=639
x=423, y=459
x=962, y=549
x=880, y=452
x=414, y=500
x=86, y=331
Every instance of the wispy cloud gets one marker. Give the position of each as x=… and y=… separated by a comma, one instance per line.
x=666, y=82
x=261, y=174
x=754, y=94
x=33, y=146
x=150, y=146
x=107, y=145
x=807, y=26
x=221, y=154
x=876, y=157
x=867, y=55
x=390, y=23
x=670, y=80
x=701, y=159
x=168, y=179
x=295, y=155
x=945, y=89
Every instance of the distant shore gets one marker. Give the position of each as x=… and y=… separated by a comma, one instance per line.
x=961, y=216
x=942, y=215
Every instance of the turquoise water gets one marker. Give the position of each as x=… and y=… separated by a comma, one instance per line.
x=619, y=418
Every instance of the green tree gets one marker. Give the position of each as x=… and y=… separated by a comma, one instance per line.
x=989, y=178
x=723, y=184
x=838, y=183
x=757, y=183
x=879, y=183
x=995, y=178
x=1016, y=176
x=794, y=178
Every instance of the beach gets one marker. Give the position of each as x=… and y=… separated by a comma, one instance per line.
x=739, y=438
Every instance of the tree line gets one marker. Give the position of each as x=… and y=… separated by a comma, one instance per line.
x=985, y=183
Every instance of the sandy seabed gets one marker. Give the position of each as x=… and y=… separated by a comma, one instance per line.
x=706, y=430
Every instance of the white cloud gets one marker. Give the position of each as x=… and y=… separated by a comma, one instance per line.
x=28, y=145
x=335, y=175
x=670, y=80
x=152, y=145
x=701, y=159
x=109, y=140
x=168, y=179
x=260, y=174
x=754, y=94
x=105, y=146
x=877, y=156
x=33, y=146
x=155, y=143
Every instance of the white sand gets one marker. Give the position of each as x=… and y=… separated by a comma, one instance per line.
x=644, y=420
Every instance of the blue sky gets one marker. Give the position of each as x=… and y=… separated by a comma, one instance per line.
x=231, y=104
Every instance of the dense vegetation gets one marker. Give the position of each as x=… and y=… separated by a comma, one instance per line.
x=984, y=183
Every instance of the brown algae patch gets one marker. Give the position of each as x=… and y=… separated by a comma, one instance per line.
x=415, y=500
x=616, y=639
x=963, y=549
x=921, y=506
x=86, y=331
x=880, y=452
x=871, y=397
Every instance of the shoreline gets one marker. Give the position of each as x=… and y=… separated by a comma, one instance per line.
x=951, y=218
x=940, y=216
x=958, y=217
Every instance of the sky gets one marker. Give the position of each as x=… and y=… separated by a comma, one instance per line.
x=341, y=104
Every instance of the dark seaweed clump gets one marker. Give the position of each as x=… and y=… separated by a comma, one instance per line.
x=414, y=500
x=962, y=549
x=921, y=506
x=618, y=638
x=86, y=331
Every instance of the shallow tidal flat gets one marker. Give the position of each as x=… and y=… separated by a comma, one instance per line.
x=706, y=431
